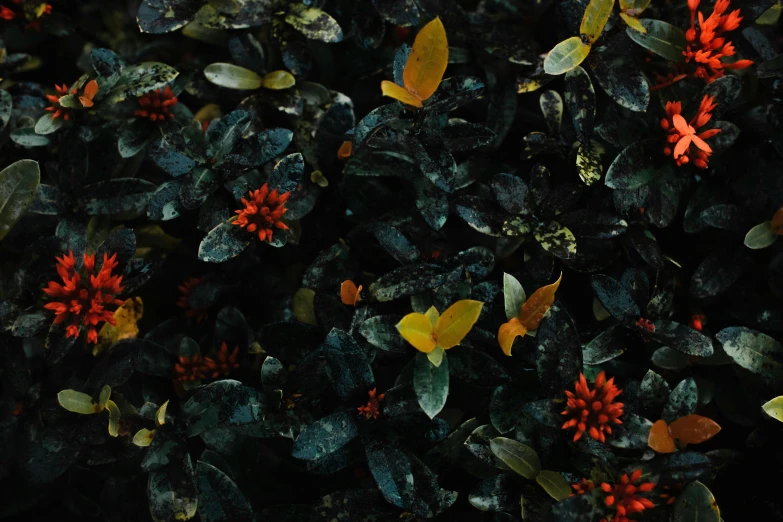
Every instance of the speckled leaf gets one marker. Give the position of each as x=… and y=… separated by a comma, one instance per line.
x=654, y=393
x=579, y=508
x=431, y=384
x=164, y=16
x=605, y=346
x=622, y=80
x=588, y=224
x=662, y=38
x=219, y=499
x=117, y=195
x=140, y=79
x=552, y=108
x=267, y=145
x=224, y=134
x=725, y=89
x=501, y=493
x=683, y=339
x=164, y=203
x=375, y=119
x=314, y=23
x=6, y=105
x=634, y=166
x=381, y=332
x=463, y=136
x=716, y=274
x=633, y=433
x=407, y=281
x=18, y=185
x=132, y=137
x=397, y=245
x=432, y=203
x=696, y=504
x=222, y=243
x=754, y=351
x=454, y=92
x=347, y=366
x=683, y=400
x=287, y=174
x=615, y=298
x=559, y=353
x=511, y=193
x=398, y=12
x=588, y=162
x=326, y=436
x=169, y=158
x=669, y=359
x=476, y=368
x=556, y=239
x=172, y=492
x=580, y=100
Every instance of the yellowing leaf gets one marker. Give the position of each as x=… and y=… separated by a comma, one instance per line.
x=565, y=56
x=538, y=304
x=143, y=437
x=659, y=438
x=104, y=397
x=427, y=60
x=633, y=23
x=693, y=429
x=77, y=402
x=278, y=80
x=303, y=306
x=417, y=330
x=349, y=293
x=436, y=356
x=433, y=315
x=555, y=484
x=114, y=418
x=595, y=18
x=392, y=90
x=455, y=323
x=160, y=415
x=508, y=332
x=126, y=317
x=774, y=408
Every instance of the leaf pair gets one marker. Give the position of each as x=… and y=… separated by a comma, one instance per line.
x=531, y=311
x=424, y=68
x=90, y=90
x=691, y=429
x=78, y=402
x=144, y=436
x=432, y=333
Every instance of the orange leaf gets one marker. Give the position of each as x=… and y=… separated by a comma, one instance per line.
x=86, y=102
x=349, y=294
x=91, y=89
x=427, y=60
x=659, y=438
x=345, y=151
x=777, y=222
x=537, y=305
x=693, y=429
x=508, y=332
x=392, y=90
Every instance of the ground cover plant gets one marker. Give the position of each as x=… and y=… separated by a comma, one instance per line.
x=391, y=260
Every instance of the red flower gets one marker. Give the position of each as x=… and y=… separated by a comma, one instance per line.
x=225, y=363
x=184, y=289
x=371, y=409
x=706, y=46
x=157, y=104
x=31, y=13
x=190, y=368
x=582, y=487
x=6, y=14
x=624, y=496
x=82, y=302
x=58, y=109
x=593, y=411
x=687, y=144
x=645, y=324
x=262, y=212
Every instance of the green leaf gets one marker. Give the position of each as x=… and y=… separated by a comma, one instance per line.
x=165, y=16
x=696, y=504
x=513, y=296
x=634, y=166
x=232, y=76
x=77, y=402
x=760, y=236
x=314, y=23
x=431, y=384
x=326, y=436
x=103, y=397
x=172, y=492
x=754, y=351
x=219, y=498
x=46, y=124
x=27, y=138
x=661, y=38
x=555, y=484
x=278, y=80
x=565, y=56
x=347, y=365
x=6, y=106
x=517, y=456
x=18, y=185
x=774, y=408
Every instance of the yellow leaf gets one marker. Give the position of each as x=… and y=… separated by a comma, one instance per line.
x=455, y=323
x=208, y=112
x=318, y=177
x=538, y=304
x=278, y=80
x=633, y=23
x=774, y=408
x=114, y=418
x=436, y=356
x=427, y=60
x=392, y=90
x=417, y=330
x=693, y=429
x=595, y=18
x=143, y=437
x=634, y=7
x=508, y=332
x=565, y=56
x=433, y=315
x=77, y=402
x=126, y=317
x=659, y=438
x=160, y=415
x=303, y=306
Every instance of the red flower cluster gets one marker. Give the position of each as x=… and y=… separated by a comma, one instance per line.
x=157, y=105
x=582, y=487
x=624, y=496
x=706, y=46
x=184, y=289
x=58, y=109
x=371, y=409
x=645, y=324
x=683, y=135
x=32, y=14
x=593, y=411
x=190, y=368
x=225, y=363
x=83, y=302
x=262, y=212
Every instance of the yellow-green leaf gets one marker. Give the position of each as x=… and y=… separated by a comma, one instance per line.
x=114, y=417
x=537, y=305
x=417, y=330
x=433, y=315
x=160, y=415
x=774, y=408
x=436, y=356
x=392, y=90
x=633, y=23
x=77, y=402
x=595, y=18
x=427, y=60
x=455, y=323
x=770, y=16
x=508, y=332
x=143, y=437
x=565, y=56
x=303, y=306
x=279, y=80
x=555, y=484
x=103, y=397
x=232, y=76
x=517, y=456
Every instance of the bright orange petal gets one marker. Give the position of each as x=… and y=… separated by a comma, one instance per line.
x=682, y=146
x=91, y=89
x=701, y=143
x=680, y=124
